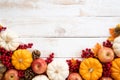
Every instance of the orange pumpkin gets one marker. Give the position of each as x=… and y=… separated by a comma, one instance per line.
x=22, y=59
x=115, y=69
x=90, y=69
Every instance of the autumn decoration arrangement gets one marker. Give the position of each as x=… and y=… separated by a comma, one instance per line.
x=17, y=62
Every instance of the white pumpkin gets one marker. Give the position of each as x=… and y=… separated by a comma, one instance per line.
x=57, y=70
x=9, y=40
x=40, y=77
x=116, y=46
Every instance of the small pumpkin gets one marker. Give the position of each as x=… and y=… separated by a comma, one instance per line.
x=40, y=77
x=90, y=69
x=115, y=69
x=9, y=40
x=22, y=59
x=116, y=46
x=57, y=70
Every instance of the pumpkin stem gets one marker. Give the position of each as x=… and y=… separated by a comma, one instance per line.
x=20, y=60
x=56, y=71
x=7, y=41
x=91, y=70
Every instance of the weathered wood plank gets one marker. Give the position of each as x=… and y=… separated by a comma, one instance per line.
x=44, y=10
x=33, y=19
x=37, y=3
x=50, y=8
x=62, y=26
x=62, y=47
x=67, y=2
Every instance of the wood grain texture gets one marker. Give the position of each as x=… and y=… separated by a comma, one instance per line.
x=51, y=8
x=63, y=47
x=62, y=26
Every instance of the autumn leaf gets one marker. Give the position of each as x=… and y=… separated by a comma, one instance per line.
x=113, y=34
x=111, y=38
x=96, y=49
x=73, y=61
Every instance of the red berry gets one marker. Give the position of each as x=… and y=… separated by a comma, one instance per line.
x=6, y=58
x=107, y=43
x=2, y=28
x=25, y=46
x=50, y=58
x=87, y=53
x=106, y=69
x=21, y=73
x=73, y=67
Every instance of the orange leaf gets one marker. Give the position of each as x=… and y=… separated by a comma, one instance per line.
x=73, y=61
x=111, y=38
x=112, y=34
x=96, y=49
x=112, y=31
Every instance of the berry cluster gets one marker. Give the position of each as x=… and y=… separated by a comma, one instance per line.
x=21, y=73
x=5, y=58
x=106, y=69
x=25, y=46
x=87, y=53
x=107, y=43
x=50, y=58
x=73, y=65
x=2, y=28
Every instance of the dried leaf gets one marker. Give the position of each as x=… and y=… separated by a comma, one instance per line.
x=73, y=61
x=96, y=49
x=111, y=38
x=112, y=34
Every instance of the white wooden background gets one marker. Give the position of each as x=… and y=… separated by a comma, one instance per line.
x=64, y=27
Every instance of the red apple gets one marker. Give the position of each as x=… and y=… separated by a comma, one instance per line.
x=39, y=66
x=106, y=78
x=74, y=76
x=106, y=54
x=11, y=75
